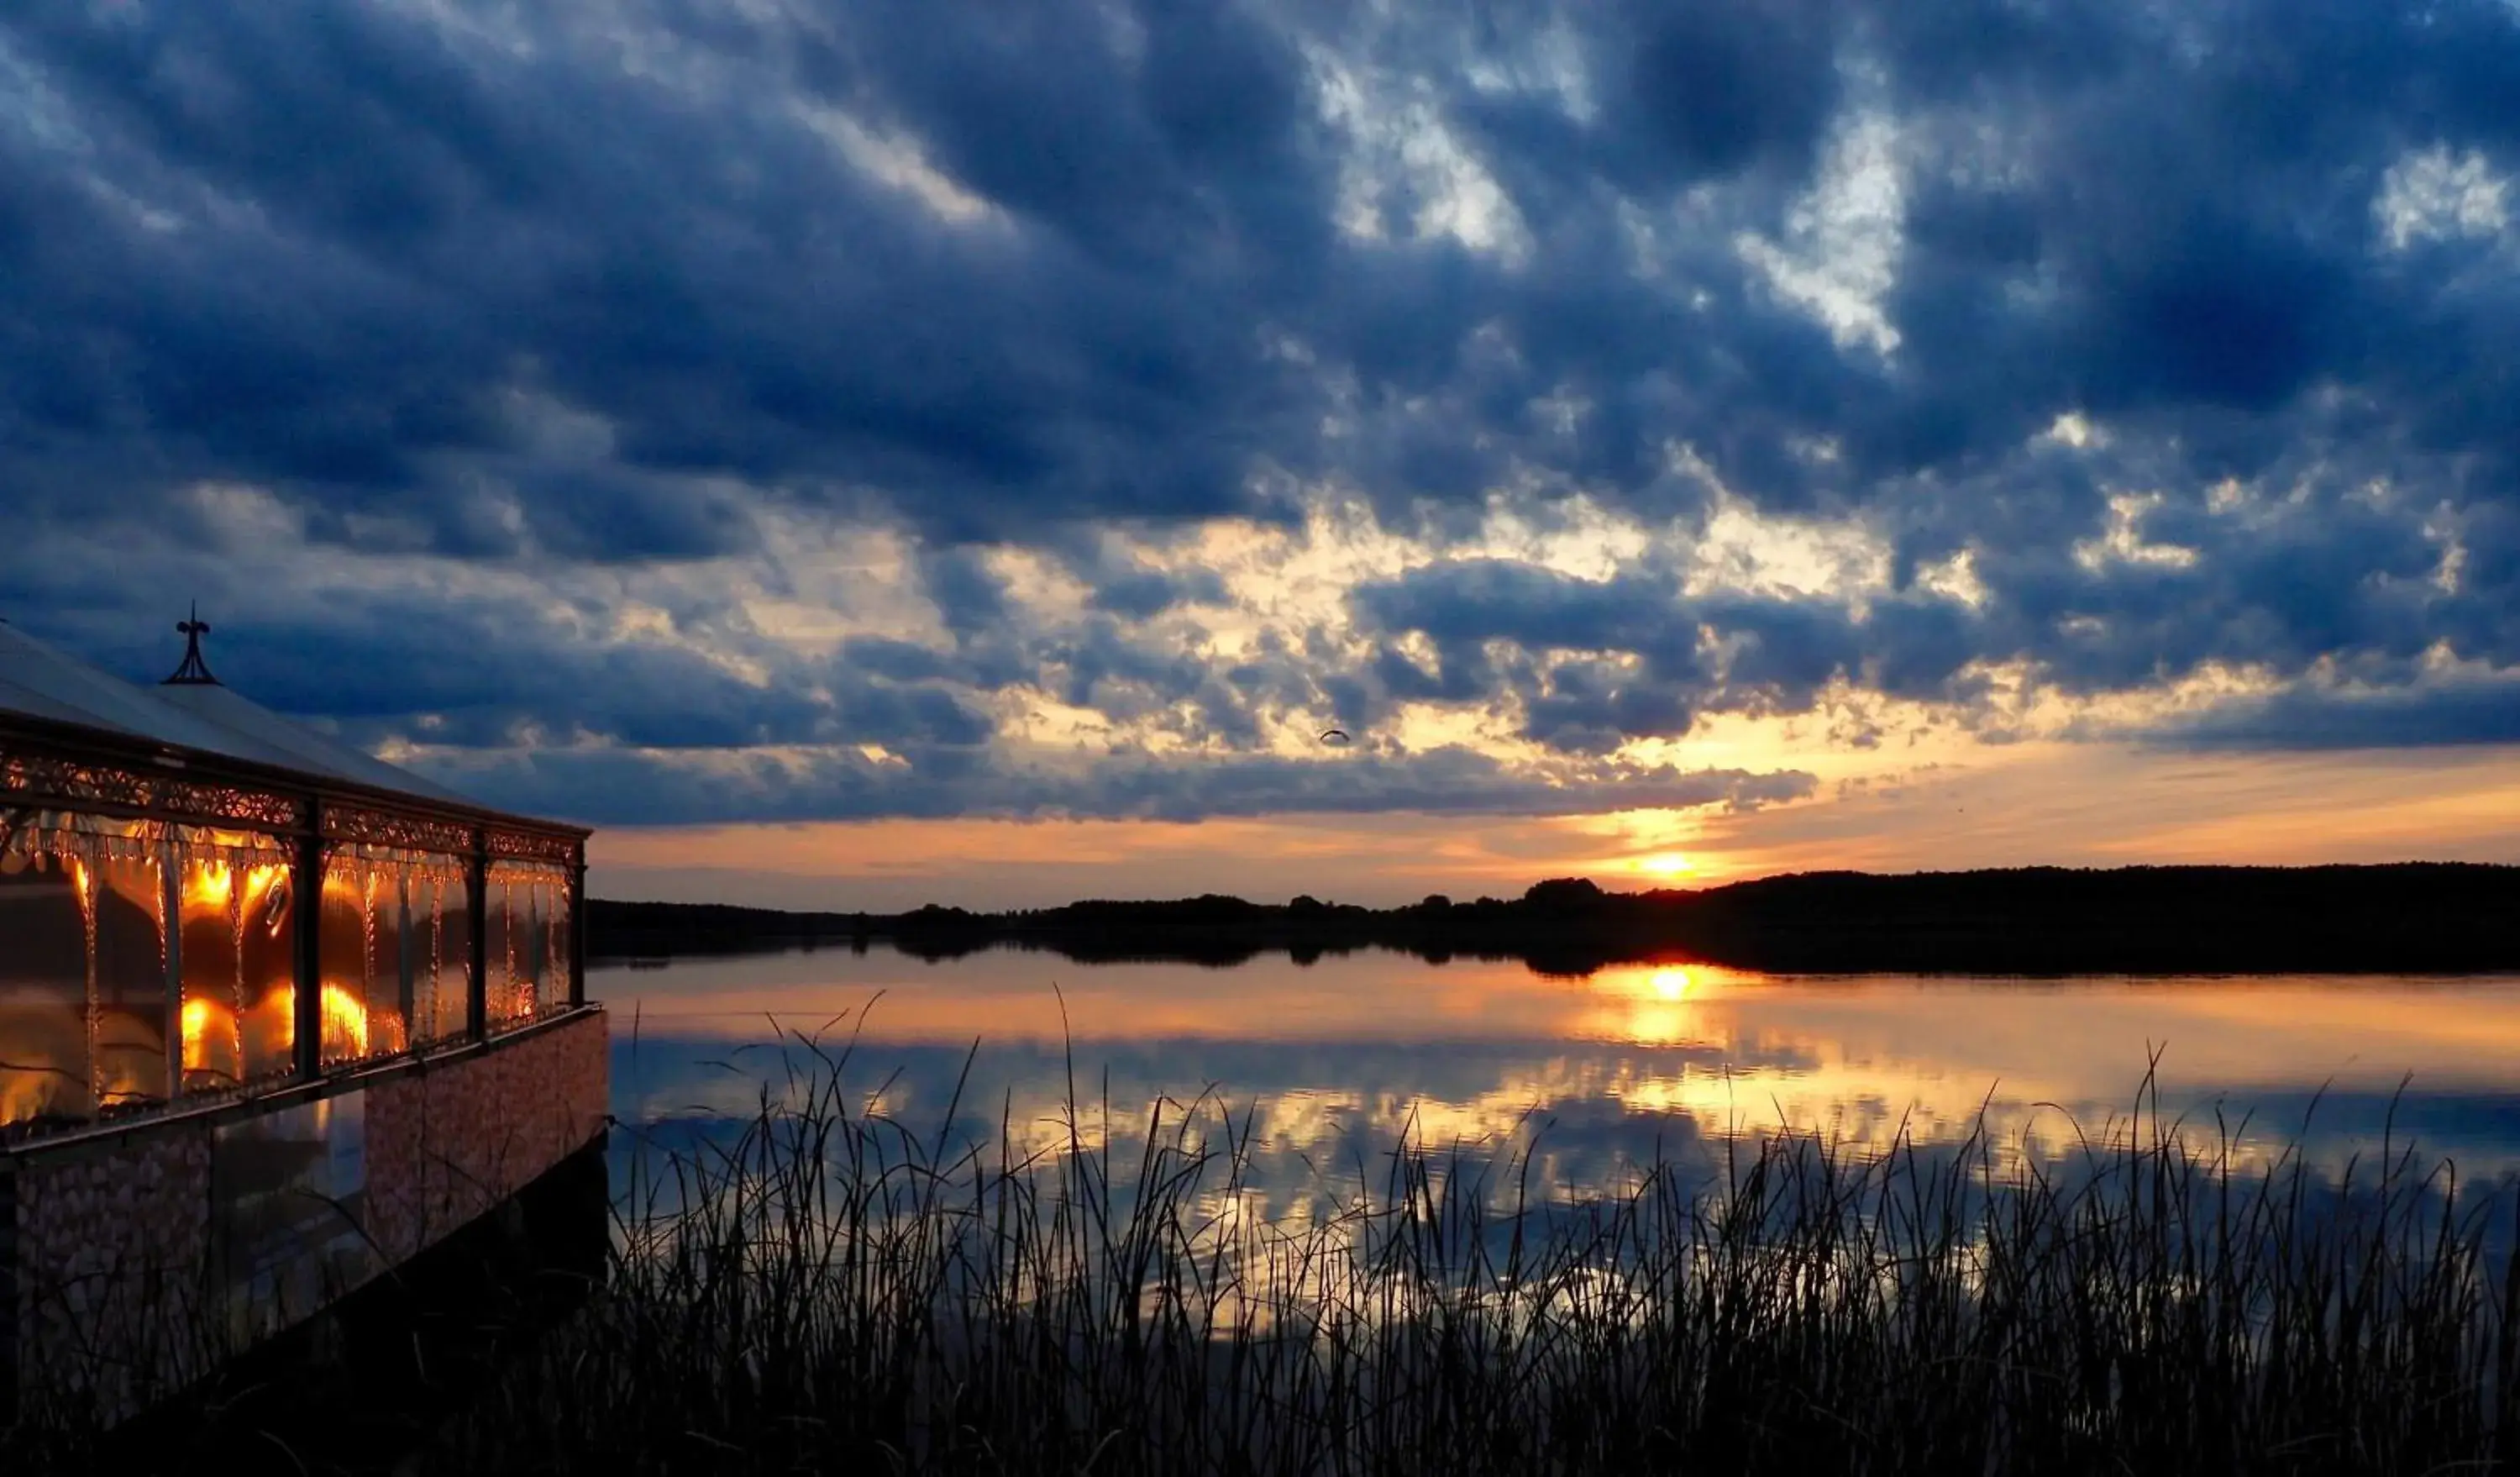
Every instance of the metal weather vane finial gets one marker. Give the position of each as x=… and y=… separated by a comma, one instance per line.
x=195, y=672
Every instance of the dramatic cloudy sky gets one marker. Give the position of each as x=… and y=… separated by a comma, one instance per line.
x=863, y=452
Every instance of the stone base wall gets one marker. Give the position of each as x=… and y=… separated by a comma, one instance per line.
x=447, y=1145
x=118, y=1285
x=111, y=1256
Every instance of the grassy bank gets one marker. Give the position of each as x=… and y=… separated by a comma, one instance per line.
x=830, y=1291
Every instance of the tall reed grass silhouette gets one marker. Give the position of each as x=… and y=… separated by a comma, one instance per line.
x=829, y=1290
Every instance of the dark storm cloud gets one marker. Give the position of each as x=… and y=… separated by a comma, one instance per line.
x=375, y=229
x=494, y=675
x=1138, y=591
x=2435, y=715
x=566, y=290
x=1691, y=654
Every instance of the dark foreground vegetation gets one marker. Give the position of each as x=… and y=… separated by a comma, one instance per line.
x=840, y=1293
x=2412, y=918
x=826, y=1290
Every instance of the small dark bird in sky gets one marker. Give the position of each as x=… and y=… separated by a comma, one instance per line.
x=1335, y=736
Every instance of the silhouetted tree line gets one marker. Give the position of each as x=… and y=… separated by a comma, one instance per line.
x=2408, y=918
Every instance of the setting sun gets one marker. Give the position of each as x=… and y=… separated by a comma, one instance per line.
x=1666, y=863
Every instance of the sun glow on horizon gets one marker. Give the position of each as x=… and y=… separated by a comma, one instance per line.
x=1666, y=863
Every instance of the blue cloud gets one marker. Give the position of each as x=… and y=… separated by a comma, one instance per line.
x=576, y=294
x=2429, y=716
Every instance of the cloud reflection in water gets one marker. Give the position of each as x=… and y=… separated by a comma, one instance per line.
x=1333, y=1060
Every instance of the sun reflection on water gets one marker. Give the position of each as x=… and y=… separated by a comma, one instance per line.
x=1657, y=1006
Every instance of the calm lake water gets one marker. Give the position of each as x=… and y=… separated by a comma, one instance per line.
x=1597, y=1075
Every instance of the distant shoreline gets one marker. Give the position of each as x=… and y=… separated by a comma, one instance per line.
x=2411, y=917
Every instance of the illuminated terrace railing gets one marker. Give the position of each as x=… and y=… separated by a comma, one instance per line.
x=178, y=929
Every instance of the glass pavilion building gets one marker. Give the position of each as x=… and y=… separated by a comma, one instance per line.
x=274, y=1015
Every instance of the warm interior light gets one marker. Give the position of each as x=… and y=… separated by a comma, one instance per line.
x=210, y=885
x=200, y=1018
x=349, y=1030
x=346, y=1021
x=23, y=1095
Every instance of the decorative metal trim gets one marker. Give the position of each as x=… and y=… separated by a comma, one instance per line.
x=376, y=828
x=71, y=784
x=525, y=846
x=418, y=865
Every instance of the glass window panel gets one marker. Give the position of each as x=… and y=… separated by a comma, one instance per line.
x=430, y=1019
x=343, y=959
x=360, y=958
x=82, y=969
x=422, y=946
x=213, y=1047
x=528, y=942
x=389, y=992
x=133, y=1012
x=511, y=992
x=556, y=975
x=270, y=961
x=239, y=946
x=44, y=1070
x=452, y=930
x=536, y=951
